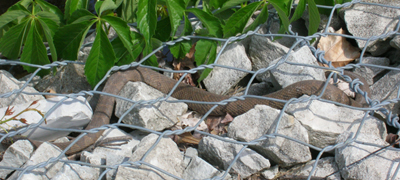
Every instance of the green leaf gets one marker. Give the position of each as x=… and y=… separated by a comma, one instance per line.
x=314, y=17
x=299, y=10
x=229, y=4
x=206, y=52
x=122, y=29
x=217, y=3
x=72, y=5
x=176, y=9
x=237, y=22
x=69, y=39
x=10, y=44
x=49, y=27
x=261, y=18
x=152, y=61
x=147, y=16
x=163, y=30
x=107, y=5
x=209, y=21
x=80, y=15
x=34, y=51
x=50, y=16
x=122, y=55
x=129, y=9
x=187, y=30
x=9, y=16
x=100, y=59
x=47, y=7
x=326, y=11
x=180, y=49
x=282, y=17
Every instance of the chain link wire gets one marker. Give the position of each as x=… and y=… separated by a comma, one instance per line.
x=375, y=106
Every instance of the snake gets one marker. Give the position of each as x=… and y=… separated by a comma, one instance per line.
x=116, y=82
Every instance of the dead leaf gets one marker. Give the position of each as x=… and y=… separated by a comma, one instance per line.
x=338, y=49
x=185, y=64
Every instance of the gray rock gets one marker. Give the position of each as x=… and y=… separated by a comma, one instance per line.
x=144, y=173
x=369, y=20
x=271, y=172
x=76, y=171
x=9, y=84
x=189, y=155
x=356, y=162
x=15, y=156
x=42, y=154
x=220, y=80
x=325, y=168
x=110, y=154
x=286, y=74
x=262, y=52
x=325, y=121
x=395, y=42
x=370, y=72
x=200, y=169
x=221, y=154
x=262, y=120
x=69, y=79
x=165, y=156
x=158, y=116
x=386, y=89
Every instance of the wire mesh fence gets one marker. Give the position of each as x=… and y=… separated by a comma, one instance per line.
x=375, y=106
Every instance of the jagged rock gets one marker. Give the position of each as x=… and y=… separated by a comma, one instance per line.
x=157, y=117
x=262, y=120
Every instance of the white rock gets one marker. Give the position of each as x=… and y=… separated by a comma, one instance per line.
x=165, y=156
x=356, y=160
x=220, y=80
x=271, y=172
x=112, y=154
x=363, y=20
x=42, y=154
x=72, y=113
x=370, y=72
x=222, y=153
x=286, y=74
x=325, y=121
x=156, y=117
x=262, y=120
x=200, y=169
x=8, y=84
x=76, y=171
x=15, y=156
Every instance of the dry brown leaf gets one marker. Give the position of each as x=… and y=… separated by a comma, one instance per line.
x=185, y=64
x=338, y=49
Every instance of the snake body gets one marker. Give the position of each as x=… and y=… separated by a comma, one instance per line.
x=115, y=83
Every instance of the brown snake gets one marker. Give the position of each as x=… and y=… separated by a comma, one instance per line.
x=115, y=83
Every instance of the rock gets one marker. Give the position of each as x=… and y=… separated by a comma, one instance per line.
x=365, y=21
x=363, y=161
x=325, y=121
x=262, y=120
x=222, y=153
x=200, y=169
x=262, y=52
x=189, y=155
x=386, y=89
x=76, y=171
x=395, y=42
x=110, y=154
x=286, y=74
x=158, y=116
x=72, y=113
x=10, y=85
x=326, y=168
x=220, y=80
x=69, y=79
x=42, y=155
x=15, y=156
x=165, y=155
x=370, y=72
x=270, y=173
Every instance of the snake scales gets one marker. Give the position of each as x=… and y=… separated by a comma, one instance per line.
x=115, y=83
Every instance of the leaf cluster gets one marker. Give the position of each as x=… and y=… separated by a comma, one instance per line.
x=29, y=25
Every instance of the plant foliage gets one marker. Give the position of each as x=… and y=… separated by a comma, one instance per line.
x=30, y=24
